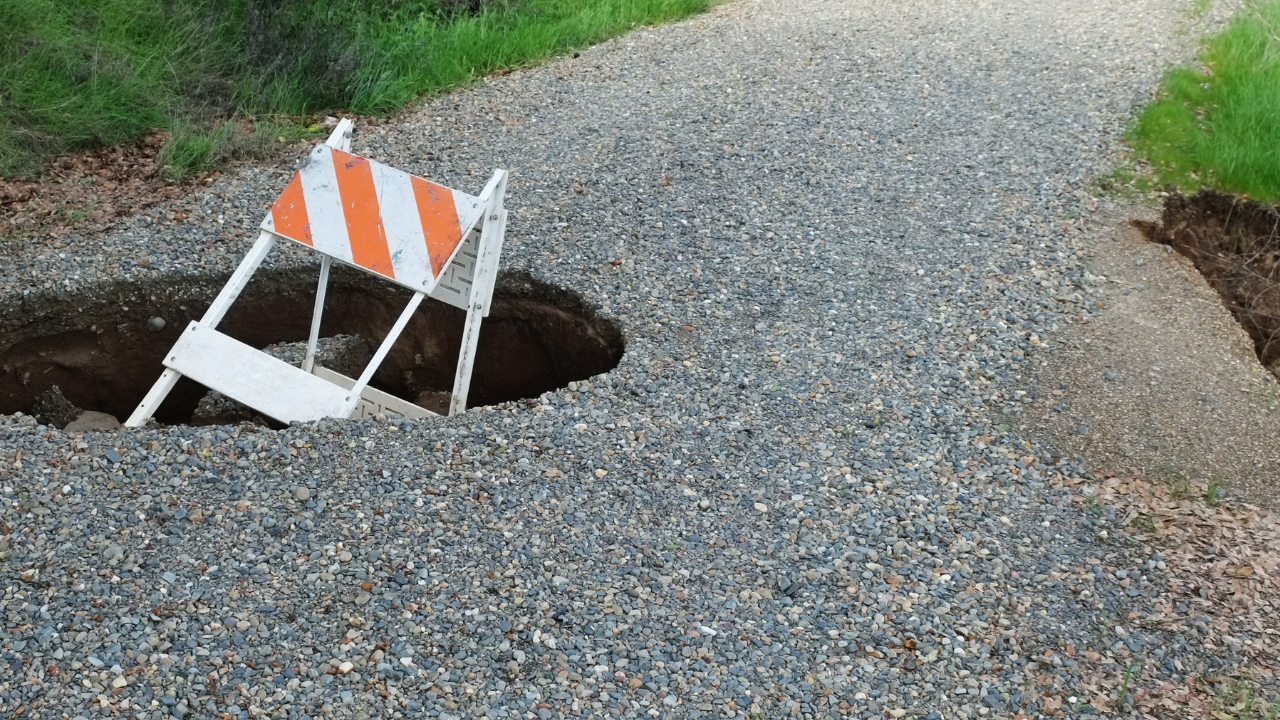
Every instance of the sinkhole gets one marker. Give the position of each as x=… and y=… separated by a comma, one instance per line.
x=102, y=345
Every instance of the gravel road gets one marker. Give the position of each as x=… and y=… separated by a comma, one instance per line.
x=836, y=235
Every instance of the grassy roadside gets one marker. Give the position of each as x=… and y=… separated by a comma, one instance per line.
x=1218, y=125
x=226, y=76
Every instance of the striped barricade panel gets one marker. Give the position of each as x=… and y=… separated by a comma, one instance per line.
x=367, y=214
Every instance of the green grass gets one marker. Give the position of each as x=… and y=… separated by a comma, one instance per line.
x=83, y=74
x=1123, y=699
x=1214, y=493
x=1218, y=125
x=225, y=76
x=1244, y=699
x=426, y=55
x=190, y=150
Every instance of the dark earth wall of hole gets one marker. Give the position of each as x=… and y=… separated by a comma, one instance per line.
x=95, y=346
x=1235, y=244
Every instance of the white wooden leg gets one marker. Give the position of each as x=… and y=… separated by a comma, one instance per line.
x=340, y=138
x=466, y=362
x=239, y=279
x=481, y=294
x=383, y=349
x=494, y=255
x=497, y=185
x=309, y=361
x=155, y=396
x=217, y=310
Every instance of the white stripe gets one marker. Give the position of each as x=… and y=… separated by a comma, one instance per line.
x=324, y=205
x=400, y=221
x=469, y=209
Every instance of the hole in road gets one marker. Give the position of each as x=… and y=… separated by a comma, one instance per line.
x=1235, y=244
x=100, y=345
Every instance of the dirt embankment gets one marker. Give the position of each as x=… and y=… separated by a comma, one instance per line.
x=1235, y=244
x=1164, y=382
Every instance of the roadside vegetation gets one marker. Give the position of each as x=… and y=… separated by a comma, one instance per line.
x=1217, y=125
x=225, y=77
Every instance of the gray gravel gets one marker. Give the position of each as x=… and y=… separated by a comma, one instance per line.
x=836, y=236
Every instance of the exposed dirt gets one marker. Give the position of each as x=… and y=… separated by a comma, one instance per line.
x=97, y=347
x=1163, y=381
x=1235, y=244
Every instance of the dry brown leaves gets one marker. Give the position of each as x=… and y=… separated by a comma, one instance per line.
x=91, y=189
x=1223, y=590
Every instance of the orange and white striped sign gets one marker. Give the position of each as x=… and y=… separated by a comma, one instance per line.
x=376, y=217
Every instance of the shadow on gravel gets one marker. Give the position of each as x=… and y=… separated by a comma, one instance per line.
x=1235, y=244
x=99, y=345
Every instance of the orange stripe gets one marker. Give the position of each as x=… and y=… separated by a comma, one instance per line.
x=439, y=221
x=289, y=214
x=365, y=233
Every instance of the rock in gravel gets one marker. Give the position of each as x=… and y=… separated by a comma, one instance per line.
x=302, y=494
x=92, y=421
x=156, y=324
x=346, y=354
x=52, y=408
x=215, y=408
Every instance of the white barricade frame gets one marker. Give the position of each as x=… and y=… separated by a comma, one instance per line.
x=310, y=392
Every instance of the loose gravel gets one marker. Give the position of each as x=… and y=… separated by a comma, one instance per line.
x=836, y=235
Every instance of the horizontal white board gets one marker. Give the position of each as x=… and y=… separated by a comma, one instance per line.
x=270, y=386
